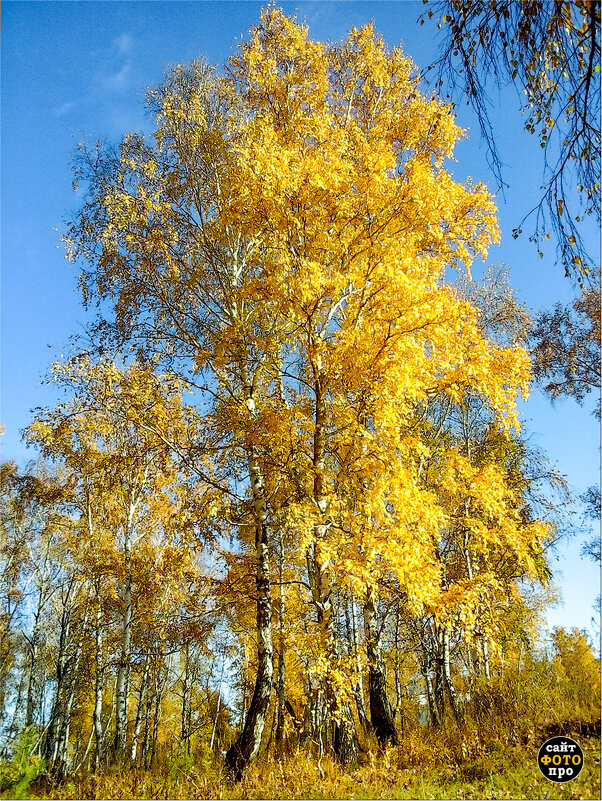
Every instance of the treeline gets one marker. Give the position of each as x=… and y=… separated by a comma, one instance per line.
x=131, y=628
x=145, y=652
x=288, y=501
x=96, y=639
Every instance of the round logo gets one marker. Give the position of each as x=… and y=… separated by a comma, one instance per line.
x=560, y=759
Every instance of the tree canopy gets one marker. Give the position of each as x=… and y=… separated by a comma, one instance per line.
x=282, y=246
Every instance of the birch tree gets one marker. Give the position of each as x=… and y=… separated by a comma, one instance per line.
x=281, y=245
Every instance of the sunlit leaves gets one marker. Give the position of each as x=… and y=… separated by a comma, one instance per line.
x=282, y=247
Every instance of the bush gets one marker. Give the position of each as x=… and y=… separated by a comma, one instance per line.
x=23, y=768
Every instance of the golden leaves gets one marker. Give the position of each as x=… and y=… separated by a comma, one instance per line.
x=288, y=239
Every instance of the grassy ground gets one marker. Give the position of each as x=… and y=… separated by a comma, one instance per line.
x=506, y=772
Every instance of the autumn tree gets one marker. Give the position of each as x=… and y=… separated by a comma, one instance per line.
x=566, y=347
x=577, y=666
x=565, y=343
x=127, y=495
x=281, y=246
x=550, y=51
x=33, y=521
x=13, y=566
x=489, y=540
x=63, y=615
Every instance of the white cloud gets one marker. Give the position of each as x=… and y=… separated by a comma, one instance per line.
x=124, y=43
x=114, y=77
x=118, y=80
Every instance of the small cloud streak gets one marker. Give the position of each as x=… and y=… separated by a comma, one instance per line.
x=63, y=109
x=124, y=43
x=118, y=81
x=116, y=78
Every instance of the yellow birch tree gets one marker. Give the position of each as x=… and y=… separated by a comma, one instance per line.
x=283, y=245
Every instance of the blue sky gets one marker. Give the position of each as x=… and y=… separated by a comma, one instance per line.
x=75, y=71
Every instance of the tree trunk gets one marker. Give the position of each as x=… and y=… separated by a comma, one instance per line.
x=344, y=734
x=62, y=750
x=98, y=692
x=432, y=706
x=65, y=696
x=380, y=708
x=486, y=659
x=279, y=737
x=84, y=756
x=157, y=718
x=218, y=702
x=433, y=712
x=139, y=710
x=34, y=684
x=449, y=685
x=150, y=696
x=124, y=661
x=55, y=722
x=184, y=727
x=246, y=748
x=398, y=688
x=344, y=741
x=439, y=685
x=14, y=727
x=32, y=689
x=345, y=738
x=358, y=689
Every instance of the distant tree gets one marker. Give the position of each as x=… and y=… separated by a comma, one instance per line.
x=126, y=490
x=550, y=51
x=565, y=343
x=591, y=502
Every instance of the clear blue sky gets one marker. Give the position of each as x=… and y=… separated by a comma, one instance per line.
x=79, y=70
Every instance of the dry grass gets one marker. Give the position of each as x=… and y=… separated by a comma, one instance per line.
x=505, y=771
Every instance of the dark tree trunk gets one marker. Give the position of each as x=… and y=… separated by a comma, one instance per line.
x=345, y=738
x=380, y=708
x=381, y=715
x=62, y=750
x=55, y=723
x=186, y=692
x=150, y=695
x=398, y=688
x=35, y=683
x=162, y=685
x=439, y=686
x=245, y=749
x=345, y=741
x=140, y=710
x=296, y=722
x=218, y=702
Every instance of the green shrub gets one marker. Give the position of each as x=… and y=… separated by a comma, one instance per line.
x=23, y=768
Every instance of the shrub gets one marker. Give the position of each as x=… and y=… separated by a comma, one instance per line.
x=23, y=768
